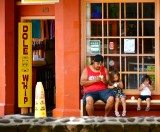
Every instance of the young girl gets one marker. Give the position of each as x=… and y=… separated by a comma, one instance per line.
x=116, y=84
x=145, y=94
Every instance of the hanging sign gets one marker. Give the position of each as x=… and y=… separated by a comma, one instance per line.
x=95, y=46
x=24, y=65
x=39, y=1
x=129, y=45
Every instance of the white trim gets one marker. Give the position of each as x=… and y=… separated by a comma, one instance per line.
x=34, y=3
x=36, y=18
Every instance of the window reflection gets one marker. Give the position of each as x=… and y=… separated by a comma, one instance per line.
x=113, y=10
x=149, y=28
x=132, y=82
x=131, y=10
x=131, y=28
x=96, y=28
x=96, y=10
x=149, y=46
x=114, y=63
x=148, y=10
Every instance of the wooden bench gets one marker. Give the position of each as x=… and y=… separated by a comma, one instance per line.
x=128, y=102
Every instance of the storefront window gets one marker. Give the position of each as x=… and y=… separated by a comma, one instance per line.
x=124, y=33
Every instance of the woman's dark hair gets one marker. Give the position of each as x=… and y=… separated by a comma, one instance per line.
x=146, y=77
x=111, y=76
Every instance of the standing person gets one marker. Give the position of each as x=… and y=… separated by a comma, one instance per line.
x=145, y=89
x=94, y=79
x=117, y=85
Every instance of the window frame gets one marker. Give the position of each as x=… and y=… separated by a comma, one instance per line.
x=157, y=47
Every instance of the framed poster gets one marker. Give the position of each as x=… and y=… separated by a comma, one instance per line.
x=129, y=45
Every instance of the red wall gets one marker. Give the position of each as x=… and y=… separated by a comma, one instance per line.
x=36, y=10
x=7, y=60
x=67, y=52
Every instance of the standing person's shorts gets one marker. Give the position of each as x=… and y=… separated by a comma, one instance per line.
x=99, y=95
x=144, y=97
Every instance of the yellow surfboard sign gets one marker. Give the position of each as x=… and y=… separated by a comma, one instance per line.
x=24, y=65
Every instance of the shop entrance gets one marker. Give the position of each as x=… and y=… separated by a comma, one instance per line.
x=43, y=54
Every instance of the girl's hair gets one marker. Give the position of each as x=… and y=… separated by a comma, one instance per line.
x=146, y=77
x=111, y=76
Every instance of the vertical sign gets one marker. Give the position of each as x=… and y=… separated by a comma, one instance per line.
x=24, y=65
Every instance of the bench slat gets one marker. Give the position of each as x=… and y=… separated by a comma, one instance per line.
x=128, y=102
x=132, y=102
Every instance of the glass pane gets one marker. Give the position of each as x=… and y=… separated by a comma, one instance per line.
x=131, y=28
x=122, y=10
x=131, y=81
x=149, y=61
x=114, y=46
x=96, y=10
x=142, y=68
x=94, y=46
x=113, y=10
x=131, y=10
x=140, y=46
x=106, y=64
x=149, y=28
x=149, y=46
x=152, y=76
x=140, y=78
x=140, y=10
x=96, y=28
x=140, y=28
x=105, y=28
x=106, y=51
x=105, y=10
x=148, y=10
x=129, y=46
x=114, y=63
x=113, y=28
x=123, y=31
x=124, y=63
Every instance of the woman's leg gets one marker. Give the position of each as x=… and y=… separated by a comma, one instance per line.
x=123, y=100
x=117, y=104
